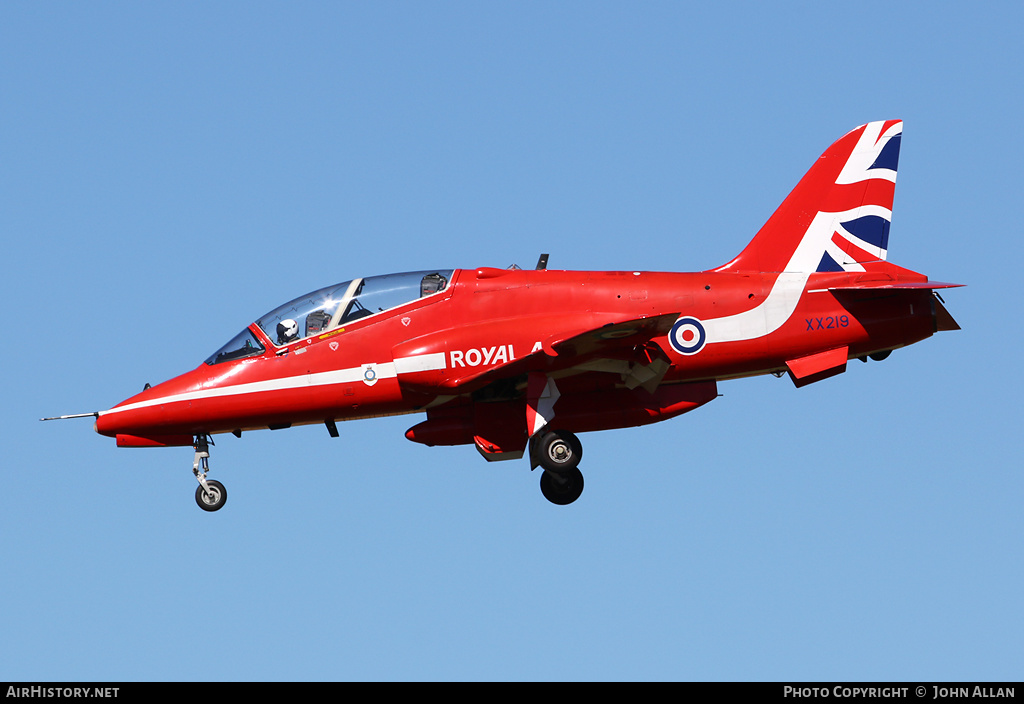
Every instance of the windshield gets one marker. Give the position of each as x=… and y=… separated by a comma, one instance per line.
x=336, y=305
x=244, y=344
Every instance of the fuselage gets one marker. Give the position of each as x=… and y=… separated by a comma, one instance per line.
x=433, y=349
x=519, y=362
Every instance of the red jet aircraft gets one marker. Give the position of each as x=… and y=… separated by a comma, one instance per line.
x=515, y=361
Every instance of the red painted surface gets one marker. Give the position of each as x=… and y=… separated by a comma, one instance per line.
x=495, y=354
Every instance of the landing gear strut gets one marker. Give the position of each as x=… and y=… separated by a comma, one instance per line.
x=558, y=453
x=210, y=494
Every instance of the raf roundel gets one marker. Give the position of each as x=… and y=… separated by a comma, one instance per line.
x=687, y=336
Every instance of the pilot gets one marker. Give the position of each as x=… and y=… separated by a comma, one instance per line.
x=287, y=330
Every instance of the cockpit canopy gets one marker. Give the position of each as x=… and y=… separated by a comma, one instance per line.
x=333, y=306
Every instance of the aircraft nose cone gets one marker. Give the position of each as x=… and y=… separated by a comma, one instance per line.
x=131, y=415
x=109, y=423
x=135, y=424
x=158, y=416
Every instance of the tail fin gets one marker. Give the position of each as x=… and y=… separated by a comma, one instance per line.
x=837, y=218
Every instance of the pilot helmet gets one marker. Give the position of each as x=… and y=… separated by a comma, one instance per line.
x=287, y=330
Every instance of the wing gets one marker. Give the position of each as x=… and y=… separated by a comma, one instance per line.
x=624, y=347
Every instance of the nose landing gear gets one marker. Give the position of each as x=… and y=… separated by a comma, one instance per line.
x=210, y=494
x=558, y=453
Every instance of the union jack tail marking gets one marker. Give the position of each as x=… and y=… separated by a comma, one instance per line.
x=838, y=216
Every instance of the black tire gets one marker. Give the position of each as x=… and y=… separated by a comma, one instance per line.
x=559, y=451
x=563, y=488
x=213, y=501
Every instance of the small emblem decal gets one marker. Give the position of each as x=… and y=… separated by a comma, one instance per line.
x=369, y=375
x=333, y=344
x=406, y=320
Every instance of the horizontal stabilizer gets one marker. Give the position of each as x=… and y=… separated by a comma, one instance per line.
x=905, y=285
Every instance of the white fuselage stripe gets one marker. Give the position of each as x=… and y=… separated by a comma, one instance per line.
x=384, y=370
x=420, y=363
x=782, y=300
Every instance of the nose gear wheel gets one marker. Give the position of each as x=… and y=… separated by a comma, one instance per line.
x=212, y=497
x=210, y=494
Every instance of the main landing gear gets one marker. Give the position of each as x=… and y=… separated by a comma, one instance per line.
x=210, y=494
x=558, y=453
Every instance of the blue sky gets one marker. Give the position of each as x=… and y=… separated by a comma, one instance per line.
x=171, y=171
